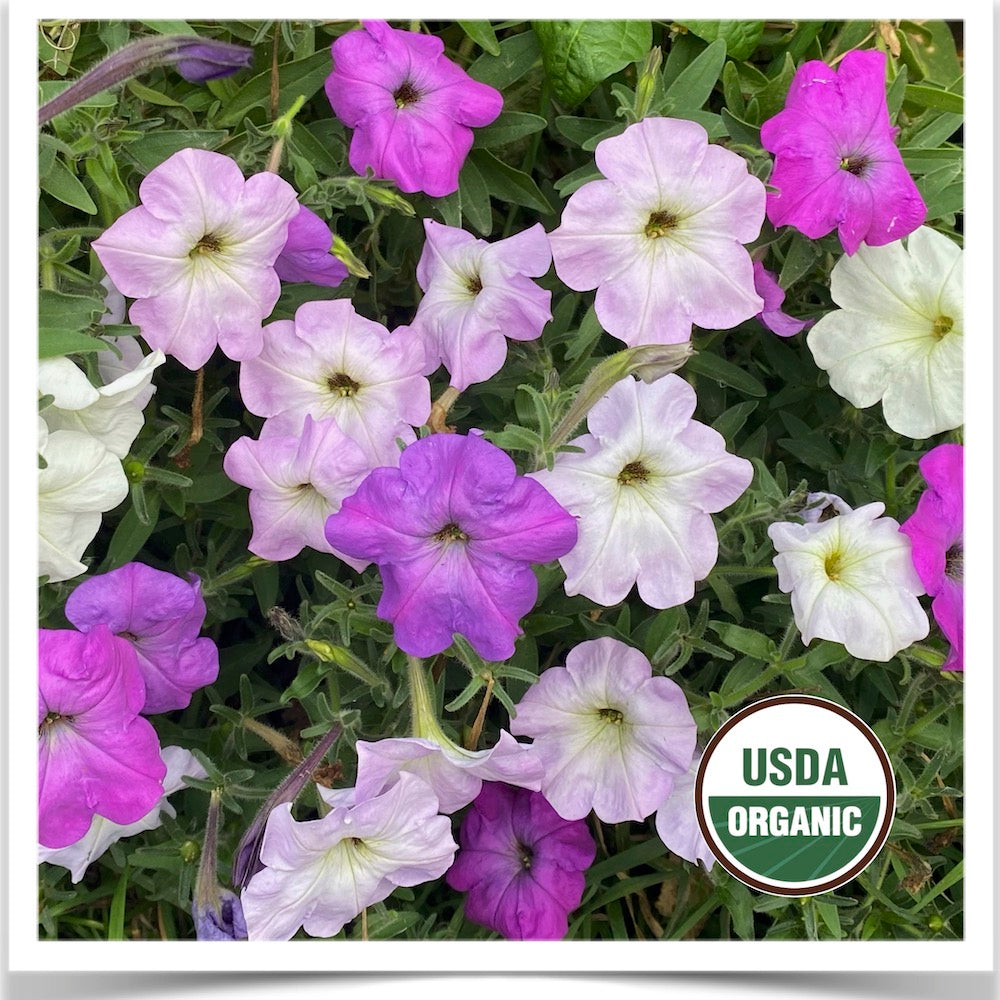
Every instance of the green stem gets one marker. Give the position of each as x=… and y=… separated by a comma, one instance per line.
x=751, y=571
x=423, y=717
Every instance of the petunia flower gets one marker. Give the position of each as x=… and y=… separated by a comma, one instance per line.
x=411, y=108
x=306, y=254
x=96, y=755
x=852, y=581
x=297, y=479
x=111, y=414
x=198, y=255
x=161, y=617
x=331, y=362
x=521, y=864
x=78, y=857
x=677, y=821
x=454, y=531
x=643, y=490
x=898, y=334
x=661, y=237
x=81, y=480
x=773, y=294
x=835, y=163
x=936, y=532
x=611, y=736
x=322, y=873
x=478, y=294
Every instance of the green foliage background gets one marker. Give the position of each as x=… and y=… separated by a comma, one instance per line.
x=324, y=656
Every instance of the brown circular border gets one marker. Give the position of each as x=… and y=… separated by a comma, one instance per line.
x=863, y=728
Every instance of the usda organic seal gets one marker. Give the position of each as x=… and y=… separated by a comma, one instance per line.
x=795, y=795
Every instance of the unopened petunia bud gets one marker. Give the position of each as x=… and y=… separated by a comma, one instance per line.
x=217, y=913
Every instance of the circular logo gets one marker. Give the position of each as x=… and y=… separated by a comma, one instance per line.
x=795, y=795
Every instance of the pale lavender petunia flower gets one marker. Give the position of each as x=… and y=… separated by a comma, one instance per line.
x=478, y=294
x=77, y=857
x=454, y=531
x=661, y=237
x=773, y=294
x=612, y=737
x=297, y=479
x=161, y=616
x=411, y=108
x=331, y=362
x=835, y=163
x=306, y=254
x=322, y=873
x=96, y=755
x=521, y=864
x=198, y=255
x=643, y=489
x=677, y=821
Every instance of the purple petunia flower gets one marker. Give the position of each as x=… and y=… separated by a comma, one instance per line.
x=454, y=531
x=835, y=163
x=411, y=108
x=306, y=255
x=161, y=616
x=936, y=530
x=96, y=755
x=773, y=295
x=477, y=295
x=521, y=863
x=198, y=255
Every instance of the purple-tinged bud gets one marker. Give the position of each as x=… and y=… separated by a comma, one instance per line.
x=306, y=255
x=200, y=60
x=217, y=912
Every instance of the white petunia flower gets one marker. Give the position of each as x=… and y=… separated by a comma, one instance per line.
x=111, y=414
x=852, y=581
x=81, y=480
x=643, y=491
x=677, y=820
x=103, y=833
x=898, y=334
x=322, y=873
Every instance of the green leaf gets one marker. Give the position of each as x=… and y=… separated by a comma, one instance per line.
x=745, y=640
x=65, y=186
x=726, y=373
x=56, y=343
x=475, y=198
x=482, y=33
x=116, y=915
x=771, y=99
x=303, y=77
x=131, y=535
x=170, y=27
x=60, y=311
x=740, y=130
x=695, y=82
x=151, y=150
x=151, y=96
x=932, y=97
x=581, y=130
x=799, y=260
x=740, y=37
x=730, y=422
x=509, y=185
x=578, y=55
x=928, y=49
x=510, y=126
x=518, y=54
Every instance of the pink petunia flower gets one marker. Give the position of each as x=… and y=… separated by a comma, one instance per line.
x=161, y=617
x=198, y=255
x=936, y=531
x=411, y=108
x=306, y=254
x=773, y=295
x=835, y=163
x=677, y=820
x=96, y=755
x=661, y=238
x=454, y=531
x=478, y=294
x=521, y=864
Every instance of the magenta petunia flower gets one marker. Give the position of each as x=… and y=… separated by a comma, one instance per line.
x=411, y=108
x=661, y=237
x=521, y=863
x=935, y=530
x=161, y=616
x=96, y=755
x=297, y=479
x=198, y=255
x=306, y=255
x=835, y=163
x=331, y=362
x=477, y=295
x=454, y=531
x=773, y=295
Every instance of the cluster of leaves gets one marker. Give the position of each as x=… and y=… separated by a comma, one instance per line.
x=301, y=646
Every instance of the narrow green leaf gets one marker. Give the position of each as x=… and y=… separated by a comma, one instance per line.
x=508, y=184
x=482, y=33
x=695, y=82
x=740, y=37
x=726, y=373
x=475, y=197
x=116, y=915
x=932, y=97
x=65, y=186
x=518, y=54
x=301, y=78
x=56, y=343
x=509, y=127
